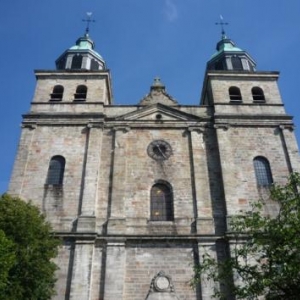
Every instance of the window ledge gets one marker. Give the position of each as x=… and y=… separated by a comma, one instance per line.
x=53, y=186
x=159, y=223
x=259, y=101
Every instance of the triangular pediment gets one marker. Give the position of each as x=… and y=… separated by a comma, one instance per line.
x=158, y=112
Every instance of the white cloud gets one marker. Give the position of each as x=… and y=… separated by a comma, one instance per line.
x=170, y=10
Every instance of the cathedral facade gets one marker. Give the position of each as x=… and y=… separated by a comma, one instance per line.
x=139, y=193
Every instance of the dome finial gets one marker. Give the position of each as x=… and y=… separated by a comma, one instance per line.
x=88, y=20
x=157, y=82
x=222, y=23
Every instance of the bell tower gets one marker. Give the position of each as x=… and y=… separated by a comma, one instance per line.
x=68, y=101
x=252, y=127
x=81, y=81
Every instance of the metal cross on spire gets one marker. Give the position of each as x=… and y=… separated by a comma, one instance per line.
x=88, y=20
x=222, y=23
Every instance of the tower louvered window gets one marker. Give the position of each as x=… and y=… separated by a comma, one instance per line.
x=56, y=170
x=76, y=62
x=258, y=94
x=81, y=92
x=57, y=93
x=219, y=65
x=262, y=171
x=94, y=65
x=235, y=94
x=161, y=202
x=236, y=63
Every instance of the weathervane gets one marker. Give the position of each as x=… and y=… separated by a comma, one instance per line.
x=222, y=23
x=88, y=20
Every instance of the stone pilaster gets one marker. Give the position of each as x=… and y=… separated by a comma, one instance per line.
x=89, y=194
x=116, y=222
x=24, y=150
x=207, y=286
x=227, y=169
x=96, y=272
x=115, y=270
x=202, y=204
x=289, y=144
x=82, y=270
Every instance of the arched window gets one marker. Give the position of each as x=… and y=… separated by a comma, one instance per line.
x=81, y=92
x=219, y=65
x=61, y=64
x=57, y=93
x=236, y=63
x=56, y=170
x=262, y=171
x=235, y=94
x=76, y=62
x=161, y=202
x=94, y=65
x=258, y=94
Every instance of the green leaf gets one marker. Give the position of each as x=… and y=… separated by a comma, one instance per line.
x=28, y=270
x=264, y=258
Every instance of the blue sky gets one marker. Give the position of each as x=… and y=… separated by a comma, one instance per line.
x=141, y=39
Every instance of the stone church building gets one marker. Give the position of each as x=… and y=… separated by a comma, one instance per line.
x=139, y=192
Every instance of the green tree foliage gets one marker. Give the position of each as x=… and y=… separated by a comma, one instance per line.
x=26, y=249
x=7, y=260
x=265, y=253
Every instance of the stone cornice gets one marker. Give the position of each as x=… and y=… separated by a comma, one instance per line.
x=243, y=74
x=248, y=104
x=138, y=238
x=263, y=117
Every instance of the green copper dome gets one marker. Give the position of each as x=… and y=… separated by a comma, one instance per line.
x=226, y=45
x=229, y=57
x=85, y=44
x=81, y=56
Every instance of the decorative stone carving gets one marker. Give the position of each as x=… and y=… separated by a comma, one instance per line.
x=288, y=127
x=30, y=126
x=222, y=126
x=123, y=129
x=161, y=287
x=158, y=94
x=197, y=129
